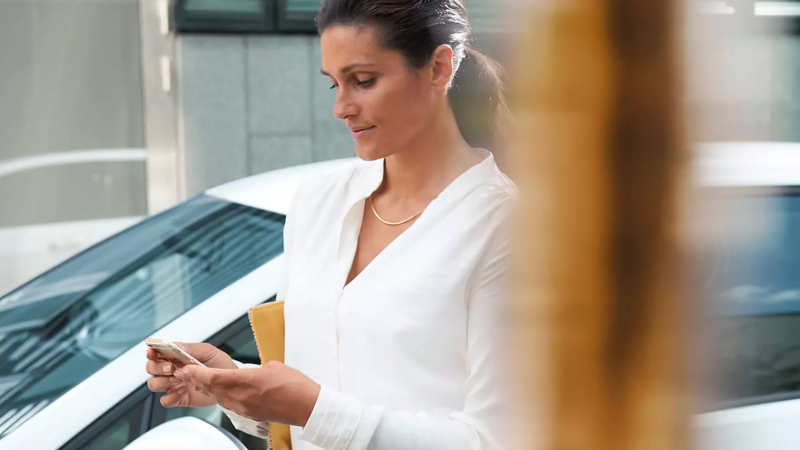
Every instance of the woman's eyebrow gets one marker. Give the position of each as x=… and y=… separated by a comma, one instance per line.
x=349, y=68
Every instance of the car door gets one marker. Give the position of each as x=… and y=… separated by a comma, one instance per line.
x=142, y=410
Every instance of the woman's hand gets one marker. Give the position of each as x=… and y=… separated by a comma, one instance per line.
x=273, y=392
x=178, y=394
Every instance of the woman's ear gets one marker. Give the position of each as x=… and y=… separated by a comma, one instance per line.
x=442, y=67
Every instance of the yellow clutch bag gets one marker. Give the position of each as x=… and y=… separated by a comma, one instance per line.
x=269, y=330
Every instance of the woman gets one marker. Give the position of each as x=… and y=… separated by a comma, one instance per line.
x=396, y=266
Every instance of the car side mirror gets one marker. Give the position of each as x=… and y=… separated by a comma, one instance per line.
x=186, y=433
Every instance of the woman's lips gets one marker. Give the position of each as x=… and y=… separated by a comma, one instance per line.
x=360, y=132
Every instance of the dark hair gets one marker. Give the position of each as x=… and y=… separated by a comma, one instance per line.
x=416, y=28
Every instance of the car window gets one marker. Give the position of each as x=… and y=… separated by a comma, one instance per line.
x=751, y=271
x=118, y=426
x=67, y=324
x=122, y=431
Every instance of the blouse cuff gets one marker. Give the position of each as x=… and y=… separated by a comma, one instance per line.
x=242, y=365
x=333, y=421
x=247, y=425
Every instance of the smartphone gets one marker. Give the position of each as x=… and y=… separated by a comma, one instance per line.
x=172, y=352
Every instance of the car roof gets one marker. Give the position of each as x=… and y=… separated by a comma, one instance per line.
x=273, y=191
x=747, y=164
x=715, y=164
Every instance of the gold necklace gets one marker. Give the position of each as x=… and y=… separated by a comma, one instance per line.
x=393, y=224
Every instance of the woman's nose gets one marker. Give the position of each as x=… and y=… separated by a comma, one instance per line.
x=343, y=107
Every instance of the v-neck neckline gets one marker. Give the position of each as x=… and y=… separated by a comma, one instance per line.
x=379, y=256
x=460, y=180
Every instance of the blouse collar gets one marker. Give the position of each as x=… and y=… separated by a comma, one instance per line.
x=369, y=176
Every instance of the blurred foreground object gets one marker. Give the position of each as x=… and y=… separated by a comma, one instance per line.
x=600, y=153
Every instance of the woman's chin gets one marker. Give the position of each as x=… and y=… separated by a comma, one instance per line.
x=369, y=152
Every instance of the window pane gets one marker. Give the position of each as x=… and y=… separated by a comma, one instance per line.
x=752, y=272
x=120, y=433
x=242, y=347
x=67, y=324
x=229, y=16
x=227, y=6
x=302, y=6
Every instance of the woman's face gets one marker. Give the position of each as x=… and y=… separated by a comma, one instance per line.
x=384, y=102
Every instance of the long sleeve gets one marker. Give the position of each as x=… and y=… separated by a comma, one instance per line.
x=340, y=422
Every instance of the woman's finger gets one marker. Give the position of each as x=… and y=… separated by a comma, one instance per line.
x=202, y=351
x=160, y=368
x=163, y=384
x=212, y=381
x=177, y=397
x=153, y=355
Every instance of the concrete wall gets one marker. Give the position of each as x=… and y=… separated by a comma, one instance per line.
x=70, y=79
x=250, y=104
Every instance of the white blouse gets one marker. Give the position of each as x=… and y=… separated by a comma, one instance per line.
x=411, y=353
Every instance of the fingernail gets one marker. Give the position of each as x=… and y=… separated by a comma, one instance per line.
x=178, y=374
x=174, y=380
x=167, y=369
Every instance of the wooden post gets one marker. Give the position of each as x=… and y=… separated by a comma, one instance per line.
x=597, y=105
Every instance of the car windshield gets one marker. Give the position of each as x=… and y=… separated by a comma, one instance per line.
x=68, y=323
x=755, y=262
x=751, y=271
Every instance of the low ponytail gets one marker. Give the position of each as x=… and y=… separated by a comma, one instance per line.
x=479, y=102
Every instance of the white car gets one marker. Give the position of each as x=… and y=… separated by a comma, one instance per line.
x=71, y=341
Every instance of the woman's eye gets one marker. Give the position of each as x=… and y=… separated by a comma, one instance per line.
x=366, y=83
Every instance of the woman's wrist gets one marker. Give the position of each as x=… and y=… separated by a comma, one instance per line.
x=305, y=405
